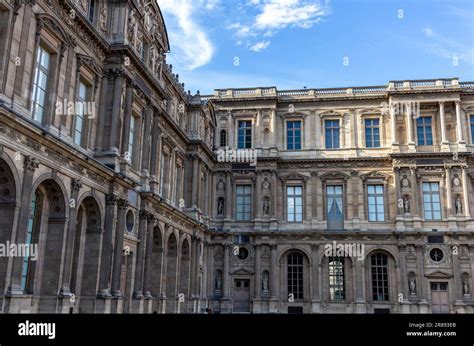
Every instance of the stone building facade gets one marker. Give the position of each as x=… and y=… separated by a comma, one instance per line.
x=114, y=174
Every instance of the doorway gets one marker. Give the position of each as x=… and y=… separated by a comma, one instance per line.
x=439, y=298
x=241, y=296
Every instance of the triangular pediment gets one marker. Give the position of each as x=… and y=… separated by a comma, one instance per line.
x=294, y=176
x=242, y=271
x=438, y=273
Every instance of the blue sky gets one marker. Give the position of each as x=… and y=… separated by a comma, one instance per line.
x=291, y=44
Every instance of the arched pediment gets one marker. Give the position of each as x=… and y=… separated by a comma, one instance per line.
x=46, y=20
x=374, y=175
x=294, y=176
x=334, y=175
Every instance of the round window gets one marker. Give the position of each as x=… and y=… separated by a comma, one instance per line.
x=243, y=253
x=436, y=255
x=130, y=221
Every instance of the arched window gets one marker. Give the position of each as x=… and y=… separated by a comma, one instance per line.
x=33, y=220
x=295, y=275
x=337, y=289
x=91, y=10
x=223, y=138
x=379, y=271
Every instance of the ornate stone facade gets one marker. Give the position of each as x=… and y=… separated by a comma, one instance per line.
x=111, y=170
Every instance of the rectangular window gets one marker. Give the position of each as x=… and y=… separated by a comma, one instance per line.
x=29, y=241
x=372, y=133
x=379, y=271
x=293, y=137
x=79, y=119
x=90, y=12
x=334, y=207
x=294, y=197
x=244, y=203
x=375, y=201
x=245, y=135
x=431, y=201
x=336, y=279
x=332, y=134
x=295, y=275
x=131, y=138
x=471, y=120
x=40, y=83
x=424, y=131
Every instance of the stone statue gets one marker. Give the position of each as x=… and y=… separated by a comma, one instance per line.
x=220, y=206
x=406, y=205
x=219, y=281
x=265, y=280
x=458, y=206
x=465, y=286
x=132, y=28
x=412, y=286
x=266, y=207
x=103, y=17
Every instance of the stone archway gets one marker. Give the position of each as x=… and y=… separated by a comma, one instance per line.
x=86, y=254
x=8, y=205
x=171, y=274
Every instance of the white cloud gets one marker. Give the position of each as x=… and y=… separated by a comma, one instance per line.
x=191, y=46
x=427, y=31
x=275, y=15
x=279, y=14
x=259, y=46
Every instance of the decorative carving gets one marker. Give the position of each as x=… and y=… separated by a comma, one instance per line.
x=30, y=164
x=412, y=286
x=76, y=184
x=458, y=205
x=266, y=206
x=220, y=206
x=122, y=203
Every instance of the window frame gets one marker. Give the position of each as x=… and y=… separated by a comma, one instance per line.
x=373, y=128
x=424, y=126
x=294, y=196
x=37, y=69
x=246, y=134
x=431, y=193
x=295, y=275
x=223, y=133
x=332, y=287
x=295, y=145
x=332, y=129
x=246, y=196
x=381, y=271
x=376, y=195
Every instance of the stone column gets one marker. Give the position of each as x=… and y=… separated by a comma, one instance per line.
x=126, y=119
x=76, y=185
x=422, y=290
x=154, y=149
x=258, y=193
x=360, y=277
x=403, y=272
x=258, y=271
x=226, y=280
x=228, y=196
x=273, y=273
x=118, y=248
x=196, y=177
x=444, y=141
x=142, y=228
x=210, y=271
x=411, y=143
x=146, y=140
x=106, y=255
x=198, y=267
x=315, y=282
x=400, y=209
x=393, y=123
x=99, y=143
x=461, y=141
x=194, y=261
x=29, y=167
x=415, y=188
x=449, y=196
x=147, y=282
x=116, y=109
x=465, y=193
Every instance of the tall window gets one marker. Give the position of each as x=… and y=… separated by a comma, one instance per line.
x=295, y=275
x=293, y=131
x=40, y=83
x=332, y=134
x=164, y=175
x=375, y=201
x=223, y=138
x=131, y=138
x=372, y=133
x=244, y=202
x=245, y=135
x=471, y=120
x=334, y=207
x=431, y=201
x=90, y=12
x=337, y=289
x=294, y=198
x=25, y=273
x=379, y=270
x=79, y=119
x=424, y=131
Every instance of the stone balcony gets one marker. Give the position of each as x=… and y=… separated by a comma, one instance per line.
x=392, y=87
